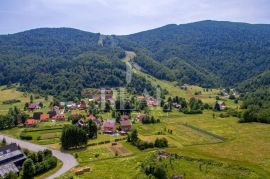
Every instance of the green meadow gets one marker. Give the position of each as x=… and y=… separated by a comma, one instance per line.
x=211, y=147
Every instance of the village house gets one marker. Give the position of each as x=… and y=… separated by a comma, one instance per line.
x=33, y=106
x=98, y=122
x=52, y=114
x=80, y=123
x=109, y=126
x=176, y=105
x=44, y=117
x=125, y=125
x=151, y=101
x=140, y=98
x=36, y=115
x=82, y=105
x=91, y=117
x=31, y=123
x=62, y=104
x=222, y=105
x=59, y=117
x=124, y=117
x=71, y=105
x=140, y=116
x=11, y=159
x=56, y=109
x=108, y=91
x=185, y=86
x=91, y=98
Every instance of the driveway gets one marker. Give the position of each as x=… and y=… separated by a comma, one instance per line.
x=68, y=160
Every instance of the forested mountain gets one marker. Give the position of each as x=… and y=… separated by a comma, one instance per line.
x=63, y=61
x=257, y=98
x=208, y=52
x=259, y=81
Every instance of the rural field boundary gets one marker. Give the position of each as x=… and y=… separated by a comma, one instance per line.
x=43, y=129
x=205, y=132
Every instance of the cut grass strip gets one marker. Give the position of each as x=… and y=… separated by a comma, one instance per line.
x=205, y=132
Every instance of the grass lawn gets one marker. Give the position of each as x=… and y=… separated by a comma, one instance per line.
x=103, y=138
x=45, y=133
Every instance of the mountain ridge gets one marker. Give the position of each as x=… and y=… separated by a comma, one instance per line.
x=206, y=53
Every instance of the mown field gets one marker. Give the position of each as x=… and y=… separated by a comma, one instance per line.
x=212, y=148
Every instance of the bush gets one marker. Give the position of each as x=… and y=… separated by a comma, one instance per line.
x=93, y=144
x=192, y=111
x=26, y=137
x=28, y=169
x=11, y=101
x=150, y=120
x=161, y=143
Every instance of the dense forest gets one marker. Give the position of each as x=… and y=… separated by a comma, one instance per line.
x=208, y=52
x=62, y=62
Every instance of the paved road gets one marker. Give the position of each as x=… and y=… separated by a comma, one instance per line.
x=68, y=160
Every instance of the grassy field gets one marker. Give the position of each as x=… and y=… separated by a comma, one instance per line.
x=45, y=133
x=235, y=150
x=13, y=93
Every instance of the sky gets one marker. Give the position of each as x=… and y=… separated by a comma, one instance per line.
x=122, y=17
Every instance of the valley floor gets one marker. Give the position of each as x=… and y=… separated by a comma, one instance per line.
x=243, y=153
x=210, y=147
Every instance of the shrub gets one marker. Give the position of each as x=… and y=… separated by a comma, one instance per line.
x=11, y=101
x=160, y=143
x=26, y=137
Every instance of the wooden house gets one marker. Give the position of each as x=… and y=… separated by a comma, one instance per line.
x=109, y=126
x=31, y=123
x=59, y=117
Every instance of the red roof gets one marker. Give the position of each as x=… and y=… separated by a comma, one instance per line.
x=91, y=117
x=30, y=121
x=140, y=97
x=44, y=116
x=59, y=116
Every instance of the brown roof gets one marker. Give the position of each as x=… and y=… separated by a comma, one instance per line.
x=140, y=97
x=126, y=123
x=44, y=116
x=124, y=117
x=30, y=121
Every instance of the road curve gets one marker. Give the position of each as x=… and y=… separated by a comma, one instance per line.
x=68, y=160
